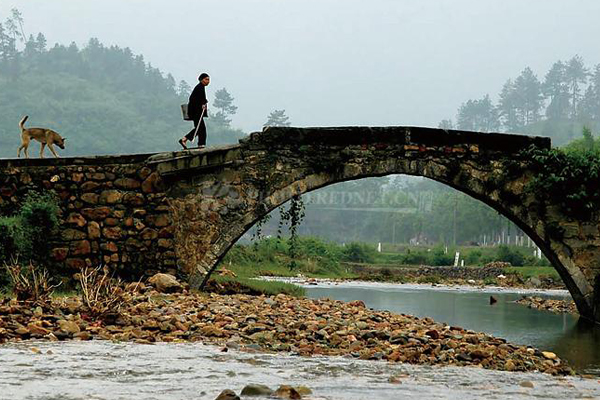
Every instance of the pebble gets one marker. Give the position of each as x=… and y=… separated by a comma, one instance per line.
x=302, y=326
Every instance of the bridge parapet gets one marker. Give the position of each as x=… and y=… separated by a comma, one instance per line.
x=393, y=136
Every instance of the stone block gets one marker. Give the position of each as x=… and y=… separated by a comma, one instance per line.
x=60, y=254
x=159, y=220
x=90, y=198
x=75, y=263
x=76, y=219
x=134, y=199
x=77, y=177
x=90, y=186
x=167, y=232
x=93, y=230
x=73, y=234
x=131, y=242
x=111, y=222
x=165, y=243
x=144, y=173
x=127, y=183
x=112, y=233
x=139, y=225
x=96, y=214
x=149, y=234
x=111, y=197
x=80, y=248
x=97, y=176
x=153, y=183
x=110, y=247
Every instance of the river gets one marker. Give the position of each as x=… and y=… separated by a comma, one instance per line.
x=103, y=370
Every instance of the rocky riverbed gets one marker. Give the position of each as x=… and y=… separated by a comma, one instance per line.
x=552, y=305
x=274, y=324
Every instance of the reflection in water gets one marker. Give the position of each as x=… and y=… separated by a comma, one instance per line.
x=573, y=340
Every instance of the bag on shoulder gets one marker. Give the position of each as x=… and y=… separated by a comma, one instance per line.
x=184, y=112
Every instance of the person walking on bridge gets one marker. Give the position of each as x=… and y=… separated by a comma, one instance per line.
x=197, y=111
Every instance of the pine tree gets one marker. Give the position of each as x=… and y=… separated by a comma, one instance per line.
x=224, y=103
x=555, y=88
x=446, y=124
x=478, y=115
x=508, y=106
x=184, y=89
x=277, y=118
x=576, y=75
x=589, y=107
x=529, y=97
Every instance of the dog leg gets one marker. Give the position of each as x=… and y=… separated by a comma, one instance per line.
x=26, y=151
x=52, y=150
x=19, y=151
x=43, y=145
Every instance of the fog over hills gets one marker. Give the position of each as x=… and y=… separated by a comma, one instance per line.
x=333, y=62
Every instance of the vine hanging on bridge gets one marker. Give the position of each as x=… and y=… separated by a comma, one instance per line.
x=292, y=217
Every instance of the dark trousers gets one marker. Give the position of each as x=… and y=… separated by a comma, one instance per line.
x=201, y=133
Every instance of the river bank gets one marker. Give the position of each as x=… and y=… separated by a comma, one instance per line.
x=281, y=323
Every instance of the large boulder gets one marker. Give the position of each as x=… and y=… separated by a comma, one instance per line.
x=165, y=283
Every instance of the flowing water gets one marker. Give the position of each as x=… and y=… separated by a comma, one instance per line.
x=106, y=370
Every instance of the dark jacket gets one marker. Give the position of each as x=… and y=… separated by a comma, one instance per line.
x=197, y=100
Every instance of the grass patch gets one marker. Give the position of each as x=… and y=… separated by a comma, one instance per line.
x=528, y=272
x=254, y=286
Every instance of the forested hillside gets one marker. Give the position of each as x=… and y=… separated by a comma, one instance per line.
x=559, y=105
x=104, y=100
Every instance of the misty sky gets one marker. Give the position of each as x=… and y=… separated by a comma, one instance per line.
x=334, y=62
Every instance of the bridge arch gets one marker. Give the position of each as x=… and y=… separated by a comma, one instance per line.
x=462, y=180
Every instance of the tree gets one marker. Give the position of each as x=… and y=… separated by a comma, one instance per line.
x=478, y=115
x=184, y=89
x=224, y=103
x=589, y=107
x=576, y=74
x=508, y=107
x=555, y=88
x=529, y=97
x=277, y=118
x=446, y=124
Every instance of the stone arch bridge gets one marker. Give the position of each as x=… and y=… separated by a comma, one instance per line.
x=182, y=211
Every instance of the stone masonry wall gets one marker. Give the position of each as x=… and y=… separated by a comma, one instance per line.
x=113, y=211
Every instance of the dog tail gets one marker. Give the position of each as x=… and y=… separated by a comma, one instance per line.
x=22, y=123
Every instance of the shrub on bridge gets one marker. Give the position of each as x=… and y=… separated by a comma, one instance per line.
x=569, y=177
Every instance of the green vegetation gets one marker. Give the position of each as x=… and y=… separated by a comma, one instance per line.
x=270, y=257
x=358, y=253
x=103, y=99
x=540, y=272
x=321, y=259
x=255, y=286
x=26, y=234
x=569, y=175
